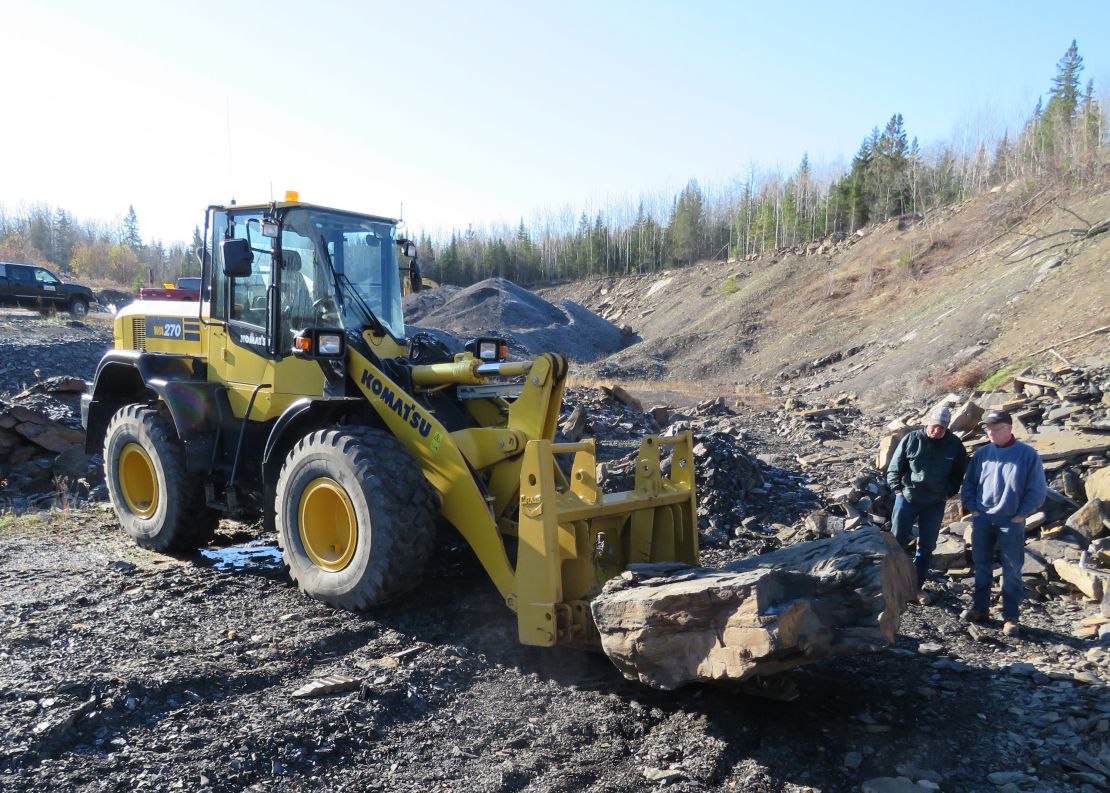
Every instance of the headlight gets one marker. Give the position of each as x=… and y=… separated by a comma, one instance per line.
x=487, y=348
x=319, y=343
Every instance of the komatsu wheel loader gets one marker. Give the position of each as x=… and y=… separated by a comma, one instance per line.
x=290, y=393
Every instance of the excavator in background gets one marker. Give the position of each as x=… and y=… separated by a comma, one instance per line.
x=290, y=392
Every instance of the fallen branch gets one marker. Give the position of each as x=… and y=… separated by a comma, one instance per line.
x=1103, y=329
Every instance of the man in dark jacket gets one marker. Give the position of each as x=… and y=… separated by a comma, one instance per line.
x=926, y=470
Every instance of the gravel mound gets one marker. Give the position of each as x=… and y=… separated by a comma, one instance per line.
x=532, y=325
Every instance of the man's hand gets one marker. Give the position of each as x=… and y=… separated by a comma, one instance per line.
x=1018, y=519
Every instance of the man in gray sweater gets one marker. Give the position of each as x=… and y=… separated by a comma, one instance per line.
x=1004, y=484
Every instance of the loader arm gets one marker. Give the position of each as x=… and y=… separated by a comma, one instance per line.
x=500, y=481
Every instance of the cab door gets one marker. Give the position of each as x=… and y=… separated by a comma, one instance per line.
x=49, y=288
x=25, y=289
x=242, y=354
x=239, y=340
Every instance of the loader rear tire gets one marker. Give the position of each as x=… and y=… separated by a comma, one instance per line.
x=355, y=517
x=155, y=498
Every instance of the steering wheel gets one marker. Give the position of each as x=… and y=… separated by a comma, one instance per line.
x=325, y=309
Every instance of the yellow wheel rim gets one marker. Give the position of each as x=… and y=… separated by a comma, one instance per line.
x=328, y=526
x=138, y=481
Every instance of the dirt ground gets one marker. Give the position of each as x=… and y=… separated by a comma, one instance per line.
x=122, y=669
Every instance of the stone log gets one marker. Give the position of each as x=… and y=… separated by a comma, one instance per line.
x=667, y=625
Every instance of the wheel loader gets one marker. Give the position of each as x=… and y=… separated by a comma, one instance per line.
x=291, y=394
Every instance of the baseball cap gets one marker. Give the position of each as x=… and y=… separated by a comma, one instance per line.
x=941, y=416
x=997, y=417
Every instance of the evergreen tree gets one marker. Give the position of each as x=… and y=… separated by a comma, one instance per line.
x=130, y=232
x=1065, y=85
x=687, y=226
x=1000, y=165
x=859, y=190
x=64, y=238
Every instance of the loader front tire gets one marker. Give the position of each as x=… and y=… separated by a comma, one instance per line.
x=355, y=517
x=155, y=498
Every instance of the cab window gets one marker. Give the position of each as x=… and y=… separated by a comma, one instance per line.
x=46, y=277
x=241, y=299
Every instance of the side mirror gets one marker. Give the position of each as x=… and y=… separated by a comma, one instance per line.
x=237, y=257
x=409, y=250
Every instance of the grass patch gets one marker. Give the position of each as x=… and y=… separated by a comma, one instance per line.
x=29, y=522
x=731, y=286
x=1001, y=375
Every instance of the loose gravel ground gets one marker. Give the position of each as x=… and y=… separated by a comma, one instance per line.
x=122, y=669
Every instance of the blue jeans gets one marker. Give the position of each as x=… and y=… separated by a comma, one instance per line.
x=987, y=531
x=928, y=518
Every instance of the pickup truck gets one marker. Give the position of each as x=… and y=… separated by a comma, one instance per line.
x=186, y=288
x=36, y=288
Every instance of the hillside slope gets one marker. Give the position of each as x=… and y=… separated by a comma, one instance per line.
x=912, y=305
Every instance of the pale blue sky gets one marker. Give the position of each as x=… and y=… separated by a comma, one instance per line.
x=489, y=112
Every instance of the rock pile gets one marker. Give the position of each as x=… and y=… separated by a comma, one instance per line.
x=42, y=445
x=739, y=495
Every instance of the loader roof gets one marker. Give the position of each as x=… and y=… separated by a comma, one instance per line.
x=306, y=205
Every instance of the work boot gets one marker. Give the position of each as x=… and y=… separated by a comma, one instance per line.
x=1012, y=628
x=974, y=615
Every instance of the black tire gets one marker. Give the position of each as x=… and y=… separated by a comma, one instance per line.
x=142, y=458
x=394, y=505
x=78, y=308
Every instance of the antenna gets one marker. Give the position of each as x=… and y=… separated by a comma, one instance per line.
x=230, y=161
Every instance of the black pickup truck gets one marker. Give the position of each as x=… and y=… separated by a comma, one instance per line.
x=34, y=287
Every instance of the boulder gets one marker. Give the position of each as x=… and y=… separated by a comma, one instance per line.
x=1099, y=552
x=966, y=417
x=575, y=425
x=1051, y=550
x=623, y=396
x=887, y=446
x=50, y=436
x=948, y=553
x=1034, y=565
x=668, y=626
x=1098, y=484
x=1088, y=521
x=1091, y=582
x=1062, y=444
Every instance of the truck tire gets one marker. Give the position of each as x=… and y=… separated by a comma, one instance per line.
x=355, y=517
x=78, y=308
x=154, y=497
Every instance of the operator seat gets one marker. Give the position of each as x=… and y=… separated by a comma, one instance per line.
x=296, y=300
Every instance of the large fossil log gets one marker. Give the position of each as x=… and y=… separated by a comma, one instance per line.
x=668, y=624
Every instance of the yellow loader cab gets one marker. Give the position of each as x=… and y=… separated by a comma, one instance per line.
x=290, y=393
